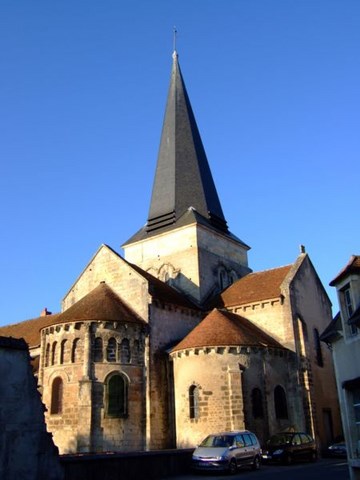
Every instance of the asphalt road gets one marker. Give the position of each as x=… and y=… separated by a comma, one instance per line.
x=329, y=469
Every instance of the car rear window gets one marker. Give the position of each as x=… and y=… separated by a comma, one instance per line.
x=306, y=438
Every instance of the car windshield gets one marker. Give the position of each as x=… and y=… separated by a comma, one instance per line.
x=217, y=441
x=280, y=439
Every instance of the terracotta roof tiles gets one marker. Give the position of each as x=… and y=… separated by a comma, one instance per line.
x=223, y=328
x=253, y=287
x=29, y=330
x=102, y=304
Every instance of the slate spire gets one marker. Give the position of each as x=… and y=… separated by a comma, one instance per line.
x=183, y=178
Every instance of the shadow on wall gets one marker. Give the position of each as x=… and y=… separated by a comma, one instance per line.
x=27, y=450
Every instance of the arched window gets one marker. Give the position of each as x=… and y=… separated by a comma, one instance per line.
x=75, y=350
x=111, y=350
x=223, y=279
x=47, y=355
x=98, y=350
x=135, y=358
x=53, y=354
x=117, y=396
x=57, y=393
x=63, y=352
x=257, y=403
x=319, y=356
x=125, y=354
x=194, y=401
x=281, y=410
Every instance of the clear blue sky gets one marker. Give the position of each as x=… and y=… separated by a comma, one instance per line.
x=275, y=87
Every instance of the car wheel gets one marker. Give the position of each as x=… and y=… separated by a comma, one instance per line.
x=288, y=459
x=256, y=463
x=313, y=457
x=232, y=466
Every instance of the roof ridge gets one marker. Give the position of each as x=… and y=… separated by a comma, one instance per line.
x=270, y=269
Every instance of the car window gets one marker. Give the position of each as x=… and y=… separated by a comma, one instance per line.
x=305, y=438
x=254, y=439
x=280, y=439
x=247, y=440
x=296, y=440
x=218, y=441
x=239, y=441
x=208, y=441
x=223, y=441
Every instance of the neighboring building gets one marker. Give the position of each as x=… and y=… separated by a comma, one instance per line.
x=343, y=336
x=27, y=451
x=179, y=337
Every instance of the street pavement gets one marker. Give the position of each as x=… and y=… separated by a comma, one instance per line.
x=329, y=469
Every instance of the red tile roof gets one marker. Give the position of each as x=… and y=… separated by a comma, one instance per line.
x=103, y=304
x=29, y=330
x=253, y=287
x=100, y=304
x=223, y=328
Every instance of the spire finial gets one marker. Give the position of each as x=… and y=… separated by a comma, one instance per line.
x=174, y=39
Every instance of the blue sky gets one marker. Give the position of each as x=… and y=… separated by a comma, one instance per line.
x=275, y=87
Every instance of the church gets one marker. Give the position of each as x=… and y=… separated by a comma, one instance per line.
x=178, y=337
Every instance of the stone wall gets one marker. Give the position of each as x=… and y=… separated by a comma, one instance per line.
x=273, y=316
x=192, y=257
x=107, y=266
x=312, y=306
x=82, y=423
x=168, y=325
x=27, y=451
x=225, y=378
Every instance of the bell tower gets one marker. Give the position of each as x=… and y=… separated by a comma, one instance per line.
x=186, y=241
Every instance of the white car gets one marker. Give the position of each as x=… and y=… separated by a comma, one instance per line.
x=227, y=451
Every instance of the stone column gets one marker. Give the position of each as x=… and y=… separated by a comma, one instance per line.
x=146, y=380
x=236, y=401
x=84, y=436
x=87, y=352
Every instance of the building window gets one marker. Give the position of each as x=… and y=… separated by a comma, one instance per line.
x=125, y=351
x=319, y=356
x=98, y=350
x=75, y=350
x=47, y=355
x=63, y=358
x=117, y=396
x=53, y=353
x=136, y=352
x=281, y=410
x=223, y=279
x=257, y=403
x=194, y=401
x=111, y=350
x=349, y=309
x=356, y=405
x=57, y=392
x=347, y=301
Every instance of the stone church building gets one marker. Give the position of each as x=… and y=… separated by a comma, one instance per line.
x=179, y=338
